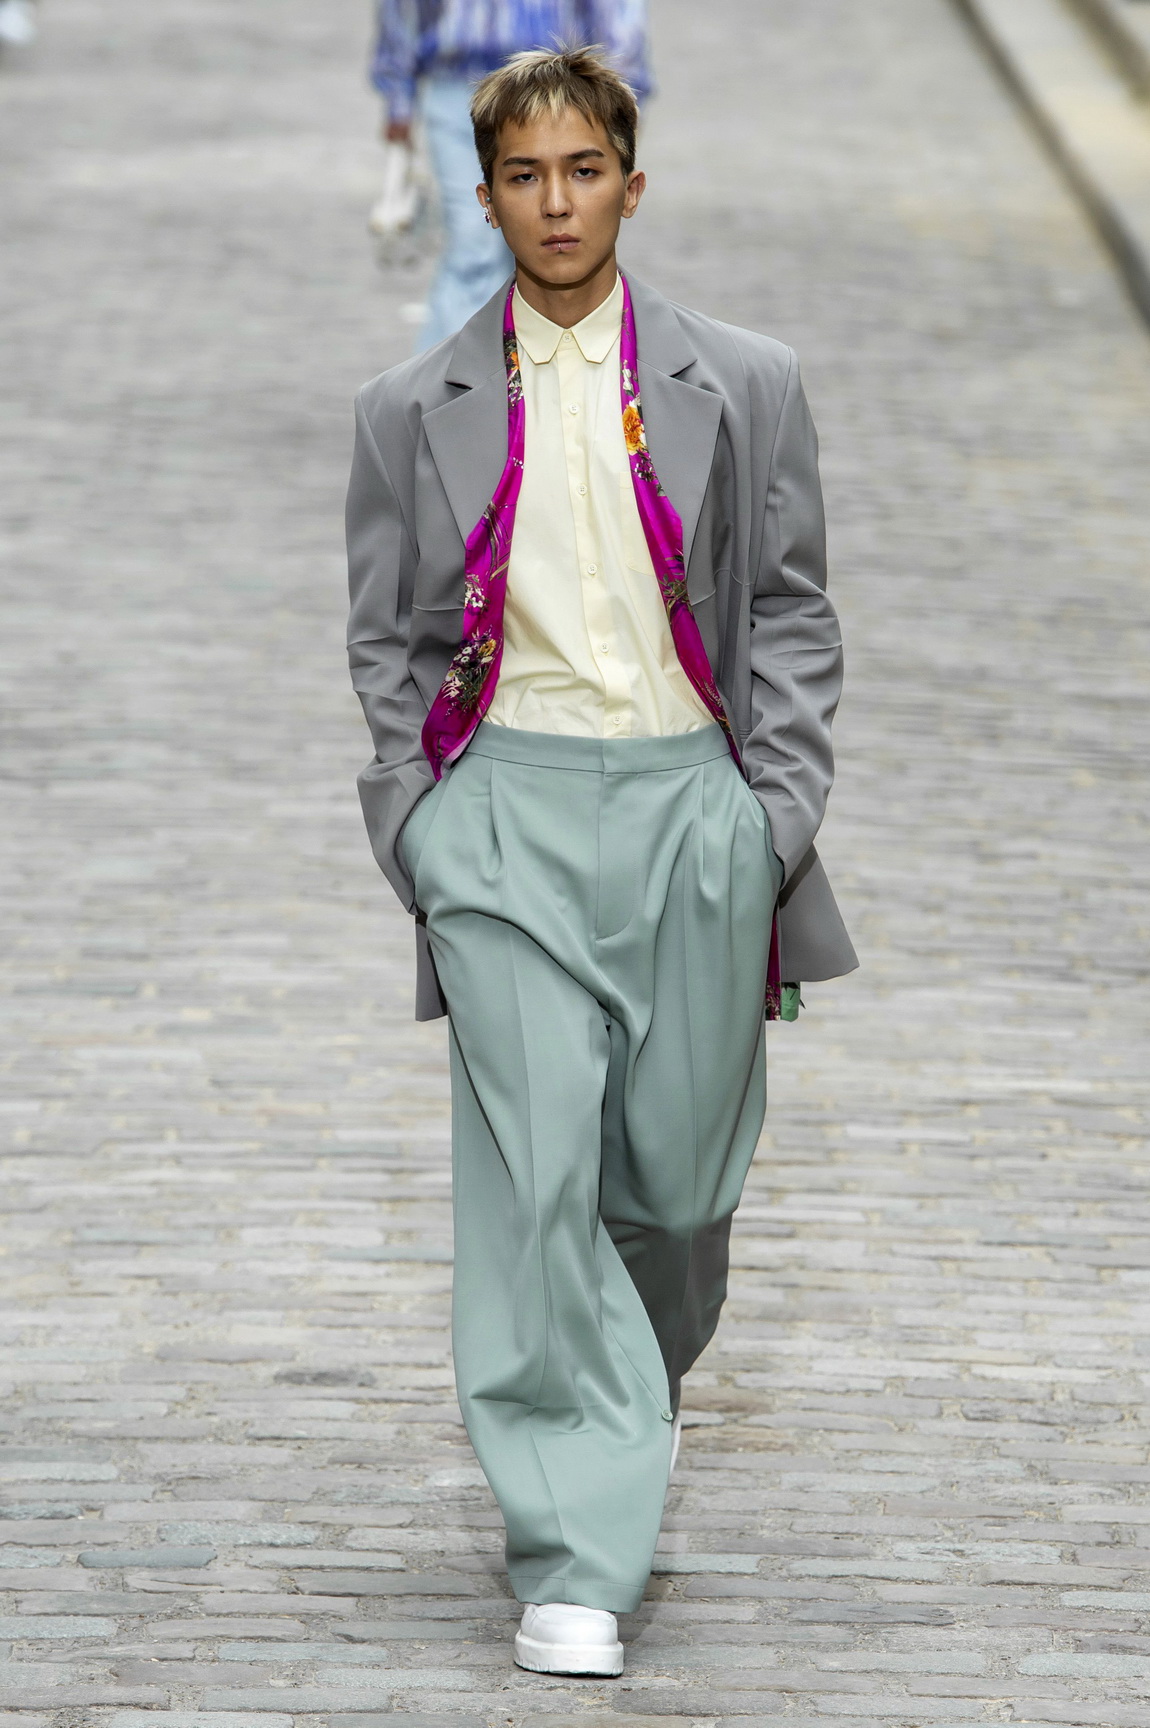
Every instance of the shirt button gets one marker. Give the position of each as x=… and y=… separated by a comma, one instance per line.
x=616, y=719
x=572, y=407
x=591, y=569
x=567, y=336
x=582, y=490
x=604, y=648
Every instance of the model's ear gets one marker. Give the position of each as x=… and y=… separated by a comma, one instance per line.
x=483, y=193
x=636, y=186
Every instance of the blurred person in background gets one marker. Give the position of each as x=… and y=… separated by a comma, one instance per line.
x=17, y=22
x=429, y=56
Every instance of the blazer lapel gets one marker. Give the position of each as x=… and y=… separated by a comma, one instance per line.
x=467, y=436
x=680, y=419
x=682, y=424
x=468, y=442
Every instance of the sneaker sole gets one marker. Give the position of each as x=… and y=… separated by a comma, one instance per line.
x=601, y=1661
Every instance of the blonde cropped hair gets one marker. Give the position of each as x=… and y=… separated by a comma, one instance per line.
x=549, y=81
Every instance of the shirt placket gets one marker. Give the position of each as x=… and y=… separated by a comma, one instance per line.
x=577, y=396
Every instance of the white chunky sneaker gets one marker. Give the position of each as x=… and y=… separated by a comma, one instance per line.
x=398, y=204
x=563, y=1638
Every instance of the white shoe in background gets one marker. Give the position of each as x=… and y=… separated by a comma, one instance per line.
x=398, y=205
x=17, y=22
x=676, y=1436
x=564, y=1638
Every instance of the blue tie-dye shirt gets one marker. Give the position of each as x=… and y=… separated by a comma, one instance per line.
x=467, y=38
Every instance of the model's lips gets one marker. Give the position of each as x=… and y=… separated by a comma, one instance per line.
x=560, y=243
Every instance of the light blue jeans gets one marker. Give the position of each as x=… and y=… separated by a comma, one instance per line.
x=475, y=260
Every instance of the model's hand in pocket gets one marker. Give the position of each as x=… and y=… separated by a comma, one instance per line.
x=413, y=834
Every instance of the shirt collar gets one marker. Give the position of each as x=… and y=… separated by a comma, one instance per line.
x=594, y=335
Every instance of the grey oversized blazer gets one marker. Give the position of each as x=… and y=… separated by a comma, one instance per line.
x=734, y=448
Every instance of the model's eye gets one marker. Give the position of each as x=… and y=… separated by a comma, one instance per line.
x=587, y=173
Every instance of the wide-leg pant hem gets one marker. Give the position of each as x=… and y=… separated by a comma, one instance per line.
x=615, y=1594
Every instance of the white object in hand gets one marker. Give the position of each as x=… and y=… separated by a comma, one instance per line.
x=397, y=205
x=564, y=1638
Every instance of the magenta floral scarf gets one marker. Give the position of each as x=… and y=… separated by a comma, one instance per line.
x=469, y=686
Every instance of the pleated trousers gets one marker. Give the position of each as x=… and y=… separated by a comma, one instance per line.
x=599, y=913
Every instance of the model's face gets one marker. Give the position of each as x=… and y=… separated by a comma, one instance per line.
x=558, y=194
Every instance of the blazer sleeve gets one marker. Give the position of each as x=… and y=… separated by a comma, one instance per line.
x=381, y=578
x=796, y=646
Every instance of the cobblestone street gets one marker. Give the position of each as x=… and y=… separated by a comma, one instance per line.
x=236, y=1491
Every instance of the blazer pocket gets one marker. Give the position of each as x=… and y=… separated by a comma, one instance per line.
x=434, y=632
x=438, y=587
x=422, y=603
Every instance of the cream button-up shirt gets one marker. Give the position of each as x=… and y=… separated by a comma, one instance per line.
x=587, y=648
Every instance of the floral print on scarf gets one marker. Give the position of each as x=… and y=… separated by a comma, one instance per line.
x=466, y=692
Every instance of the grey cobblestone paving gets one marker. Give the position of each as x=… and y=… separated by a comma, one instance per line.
x=235, y=1489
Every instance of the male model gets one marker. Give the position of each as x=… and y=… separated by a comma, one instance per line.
x=591, y=637
x=436, y=51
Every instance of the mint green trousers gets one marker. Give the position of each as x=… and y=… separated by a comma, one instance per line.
x=599, y=913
